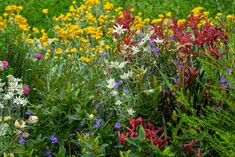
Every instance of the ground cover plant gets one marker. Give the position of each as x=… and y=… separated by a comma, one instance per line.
x=98, y=79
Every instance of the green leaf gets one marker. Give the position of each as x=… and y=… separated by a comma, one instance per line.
x=142, y=134
x=62, y=152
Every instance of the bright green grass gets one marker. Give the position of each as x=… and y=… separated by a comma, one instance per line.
x=149, y=8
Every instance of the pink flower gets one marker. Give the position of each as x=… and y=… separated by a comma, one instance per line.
x=4, y=64
x=39, y=56
x=26, y=90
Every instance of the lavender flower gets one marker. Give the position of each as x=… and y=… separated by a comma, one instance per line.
x=97, y=105
x=229, y=71
x=224, y=86
x=125, y=90
x=53, y=139
x=155, y=52
x=117, y=84
x=48, y=153
x=21, y=139
x=117, y=125
x=97, y=123
x=222, y=80
x=105, y=54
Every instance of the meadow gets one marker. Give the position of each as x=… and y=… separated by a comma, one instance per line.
x=98, y=78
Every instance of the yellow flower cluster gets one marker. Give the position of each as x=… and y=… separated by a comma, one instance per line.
x=13, y=8
x=197, y=10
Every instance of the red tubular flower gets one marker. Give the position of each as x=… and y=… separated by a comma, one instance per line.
x=122, y=137
x=127, y=19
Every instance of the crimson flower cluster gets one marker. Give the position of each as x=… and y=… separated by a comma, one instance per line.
x=150, y=132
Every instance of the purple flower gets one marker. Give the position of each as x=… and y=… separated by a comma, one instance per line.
x=125, y=90
x=152, y=44
x=39, y=56
x=105, y=54
x=117, y=125
x=97, y=123
x=229, y=71
x=28, y=113
x=224, y=86
x=180, y=67
x=21, y=139
x=178, y=105
x=155, y=52
x=4, y=64
x=97, y=105
x=48, y=153
x=53, y=139
x=117, y=84
x=171, y=37
x=222, y=80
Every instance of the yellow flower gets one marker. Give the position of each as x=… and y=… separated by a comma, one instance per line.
x=84, y=59
x=229, y=17
x=45, y=11
x=7, y=119
x=197, y=10
x=29, y=41
x=108, y=6
x=19, y=124
x=73, y=50
x=205, y=13
x=91, y=116
x=168, y=14
x=35, y=30
x=59, y=51
x=33, y=119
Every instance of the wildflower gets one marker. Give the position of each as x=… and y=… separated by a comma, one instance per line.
x=91, y=116
x=224, y=86
x=53, y=139
x=4, y=64
x=111, y=82
x=158, y=41
x=229, y=71
x=39, y=56
x=117, y=125
x=223, y=80
x=114, y=92
x=7, y=119
x=125, y=90
x=45, y=11
x=117, y=84
x=48, y=153
x=19, y=124
x=28, y=113
x=26, y=90
x=119, y=29
x=97, y=123
x=25, y=135
x=105, y=54
x=130, y=111
x=21, y=139
x=33, y=119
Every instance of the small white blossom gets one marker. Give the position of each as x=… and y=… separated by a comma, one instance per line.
x=130, y=111
x=118, y=103
x=114, y=92
x=111, y=83
x=33, y=119
x=158, y=41
x=119, y=29
x=135, y=49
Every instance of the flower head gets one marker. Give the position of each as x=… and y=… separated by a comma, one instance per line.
x=4, y=64
x=53, y=139
x=119, y=29
x=117, y=125
x=39, y=56
x=26, y=90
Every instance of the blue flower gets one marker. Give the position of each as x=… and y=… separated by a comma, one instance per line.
x=105, y=54
x=229, y=71
x=48, y=153
x=98, y=122
x=54, y=139
x=21, y=139
x=117, y=125
x=222, y=80
x=217, y=108
x=117, y=84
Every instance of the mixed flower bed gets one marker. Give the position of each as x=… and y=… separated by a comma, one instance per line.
x=103, y=81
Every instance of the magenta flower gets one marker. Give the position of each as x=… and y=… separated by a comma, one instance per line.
x=26, y=90
x=39, y=56
x=4, y=64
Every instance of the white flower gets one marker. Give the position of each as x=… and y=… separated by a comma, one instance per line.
x=121, y=65
x=119, y=29
x=118, y=103
x=114, y=92
x=3, y=129
x=111, y=83
x=33, y=119
x=159, y=41
x=127, y=75
x=18, y=101
x=130, y=111
x=8, y=96
x=135, y=49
